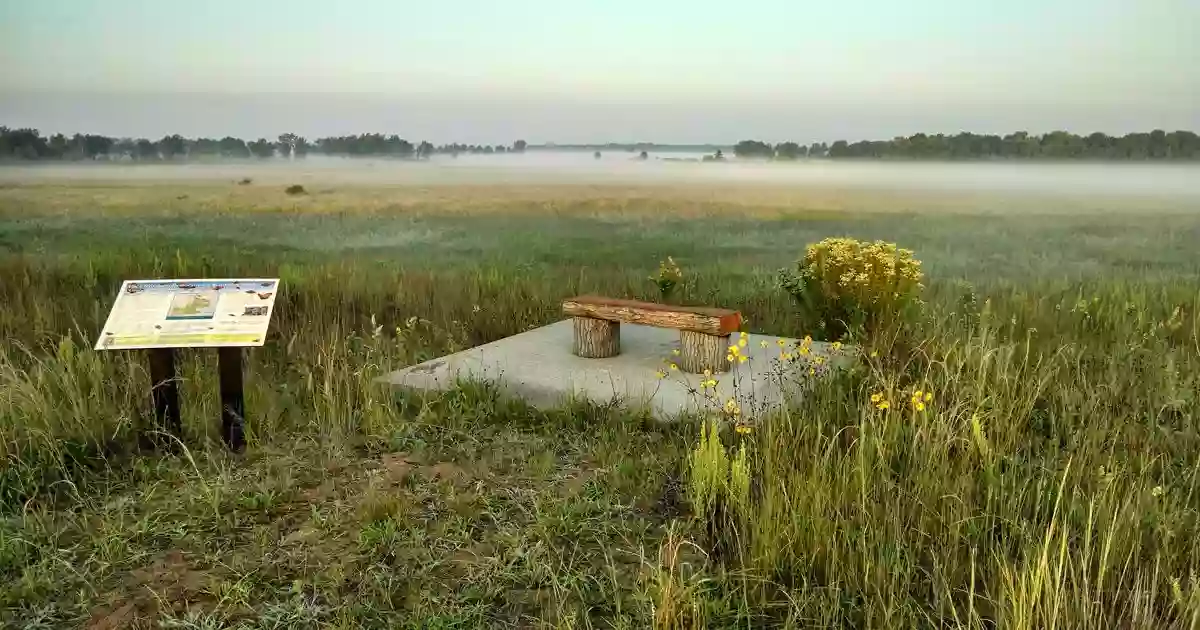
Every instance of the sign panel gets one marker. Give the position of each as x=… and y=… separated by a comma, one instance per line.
x=190, y=314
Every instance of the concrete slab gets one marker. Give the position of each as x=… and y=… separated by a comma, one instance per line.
x=539, y=367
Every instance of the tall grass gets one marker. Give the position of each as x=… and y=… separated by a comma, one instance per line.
x=1052, y=481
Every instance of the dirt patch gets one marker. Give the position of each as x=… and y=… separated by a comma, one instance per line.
x=323, y=492
x=170, y=578
x=118, y=618
x=396, y=466
x=169, y=582
x=445, y=470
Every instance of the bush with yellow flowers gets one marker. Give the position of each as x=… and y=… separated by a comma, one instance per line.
x=668, y=277
x=846, y=284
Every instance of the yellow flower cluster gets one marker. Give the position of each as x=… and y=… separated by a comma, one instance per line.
x=920, y=399
x=872, y=273
x=732, y=408
x=880, y=401
x=803, y=349
x=669, y=274
x=708, y=382
x=735, y=350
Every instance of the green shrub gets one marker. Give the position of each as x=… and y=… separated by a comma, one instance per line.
x=845, y=284
x=668, y=277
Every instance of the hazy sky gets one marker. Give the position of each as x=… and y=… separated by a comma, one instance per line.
x=662, y=70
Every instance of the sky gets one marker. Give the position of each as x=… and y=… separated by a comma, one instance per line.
x=599, y=71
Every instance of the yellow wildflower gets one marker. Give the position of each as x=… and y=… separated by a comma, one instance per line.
x=660, y=374
x=742, y=359
x=883, y=404
x=762, y=344
x=818, y=360
x=674, y=366
x=876, y=397
x=928, y=396
x=837, y=346
x=804, y=350
x=729, y=357
x=744, y=429
x=742, y=342
x=675, y=352
x=874, y=354
x=743, y=334
x=781, y=342
x=732, y=407
x=734, y=350
x=812, y=371
x=807, y=340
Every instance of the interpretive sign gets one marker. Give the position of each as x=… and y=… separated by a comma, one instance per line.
x=190, y=314
x=162, y=315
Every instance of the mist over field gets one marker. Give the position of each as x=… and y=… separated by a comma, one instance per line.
x=619, y=167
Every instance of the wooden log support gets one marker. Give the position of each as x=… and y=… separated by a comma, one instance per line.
x=597, y=338
x=164, y=392
x=699, y=351
x=233, y=401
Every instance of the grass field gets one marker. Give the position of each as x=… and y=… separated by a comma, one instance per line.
x=1052, y=481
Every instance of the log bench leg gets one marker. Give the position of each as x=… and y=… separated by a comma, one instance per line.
x=700, y=351
x=597, y=338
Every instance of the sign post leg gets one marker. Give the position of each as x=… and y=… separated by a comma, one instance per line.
x=233, y=403
x=164, y=390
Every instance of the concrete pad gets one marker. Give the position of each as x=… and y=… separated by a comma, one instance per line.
x=539, y=367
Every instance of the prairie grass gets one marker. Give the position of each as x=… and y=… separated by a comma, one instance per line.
x=1051, y=481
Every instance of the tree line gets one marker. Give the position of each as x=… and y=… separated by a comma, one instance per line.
x=30, y=144
x=1155, y=145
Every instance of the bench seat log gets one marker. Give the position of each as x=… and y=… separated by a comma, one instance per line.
x=703, y=332
x=710, y=321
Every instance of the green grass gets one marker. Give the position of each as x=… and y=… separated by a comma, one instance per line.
x=1051, y=483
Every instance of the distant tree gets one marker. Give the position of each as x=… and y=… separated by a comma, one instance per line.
x=500, y=148
x=753, y=149
x=58, y=147
x=125, y=148
x=519, y=146
x=425, y=150
x=788, y=151
x=203, y=146
x=643, y=156
x=287, y=145
x=231, y=147
x=172, y=146
x=145, y=150
x=262, y=148
x=96, y=146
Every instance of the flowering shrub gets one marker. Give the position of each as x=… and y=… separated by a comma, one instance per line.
x=668, y=277
x=846, y=284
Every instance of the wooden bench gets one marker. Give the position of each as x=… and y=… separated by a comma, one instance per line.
x=703, y=332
